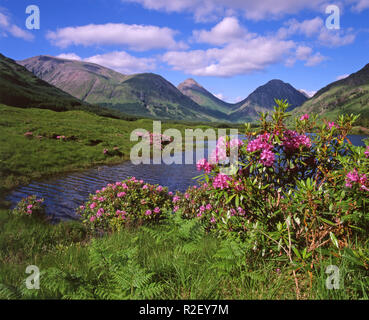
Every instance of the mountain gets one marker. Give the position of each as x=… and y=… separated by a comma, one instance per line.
x=20, y=88
x=145, y=94
x=345, y=96
x=262, y=100
x=204, y=98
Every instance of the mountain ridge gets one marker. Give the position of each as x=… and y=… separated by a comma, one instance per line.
x=142, y=94
x=345, y=96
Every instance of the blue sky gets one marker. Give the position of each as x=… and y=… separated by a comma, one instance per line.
x=229, y=46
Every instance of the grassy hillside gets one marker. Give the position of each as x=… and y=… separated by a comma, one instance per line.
x=21, y=88
x=204, y=98
x=23, y=158
x=349, y=95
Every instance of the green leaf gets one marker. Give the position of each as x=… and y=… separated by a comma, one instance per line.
x=334, y=239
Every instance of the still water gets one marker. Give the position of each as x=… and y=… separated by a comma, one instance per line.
x=63, y=194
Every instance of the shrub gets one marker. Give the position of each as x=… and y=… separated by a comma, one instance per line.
x=291, y=190
x=130, y=202
x=30, y=206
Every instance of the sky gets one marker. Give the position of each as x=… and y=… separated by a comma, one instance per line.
x=230, y=47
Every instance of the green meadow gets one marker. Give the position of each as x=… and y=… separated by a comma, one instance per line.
x=24, y=158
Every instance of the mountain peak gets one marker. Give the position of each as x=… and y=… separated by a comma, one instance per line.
x=189, y=83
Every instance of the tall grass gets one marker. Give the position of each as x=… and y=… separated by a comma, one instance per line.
x=175, y=260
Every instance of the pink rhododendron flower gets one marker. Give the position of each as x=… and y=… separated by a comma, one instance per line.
x=176, y=208
x=157, y=210
x=100, y=212
x=292, y=140
x=267, y=158
x=202, y=209
x=221, y=181
x=331, y=125
x=236, y=143
x=212, y=220
x=148, y=212
x=159, y=189
x=121, y=194
x=204, y=165
x=208, y=206
x=93, y=218
x=29, y=206
x=260, y=143
x=176, y=199
x=304, y=117
x=93, y=205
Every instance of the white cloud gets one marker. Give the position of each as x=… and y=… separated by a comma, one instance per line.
x=119, y=61
x=135, y=37
x=344, y=76
x=308, y=93
x=123, y=62
x=226, y=31
x=304, y=53
x=6, y=28
x=359, y=5
x=69, y=56
x=220, y=96
x=251, y=9
x=234, y=59
x=315, y=28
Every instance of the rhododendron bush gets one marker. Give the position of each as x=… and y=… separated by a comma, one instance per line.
x=30, y=207
x=291, y=190
x=129, y=202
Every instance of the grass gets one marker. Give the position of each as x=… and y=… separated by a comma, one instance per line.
x=23, y=159
x=177, y=260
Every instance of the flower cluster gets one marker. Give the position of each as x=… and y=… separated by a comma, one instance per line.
x=224, y=147
x=262, y=142
x=30, y=206
x=129, y=201
x=203, y=164
x=353, y=177
x=292, y=141
x=222, y=181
